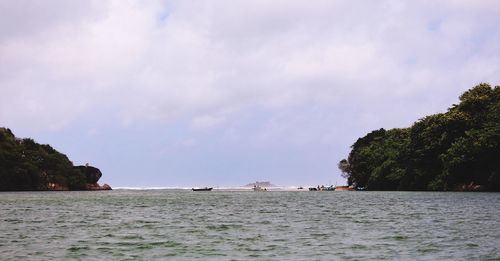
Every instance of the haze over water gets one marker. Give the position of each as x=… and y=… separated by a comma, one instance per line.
x=179, y=224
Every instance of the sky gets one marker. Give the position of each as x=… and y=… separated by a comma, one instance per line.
x=228, y=92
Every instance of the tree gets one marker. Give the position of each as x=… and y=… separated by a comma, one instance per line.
x=439, y=152
x=27, y=165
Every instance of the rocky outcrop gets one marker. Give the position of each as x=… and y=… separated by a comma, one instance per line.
x=96, y=186
x=260, y=184
x=55, y=187
x=469, y=187
x=92, y=176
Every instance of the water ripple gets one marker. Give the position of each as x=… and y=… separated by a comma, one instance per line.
x=186, y=225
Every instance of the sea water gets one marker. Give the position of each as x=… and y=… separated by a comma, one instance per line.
x=226, y=225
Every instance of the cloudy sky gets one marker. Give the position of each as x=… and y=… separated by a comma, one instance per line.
x=227, y=92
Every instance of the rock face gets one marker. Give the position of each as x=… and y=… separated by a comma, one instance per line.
x=96, y=186
x=55, y=187
x=106, y=187
x=469, y=187
x=92, y=175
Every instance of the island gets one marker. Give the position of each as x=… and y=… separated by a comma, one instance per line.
x=458, y=150
x=26, y=165
x=262, y=184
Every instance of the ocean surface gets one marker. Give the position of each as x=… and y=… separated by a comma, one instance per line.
x=242, y=225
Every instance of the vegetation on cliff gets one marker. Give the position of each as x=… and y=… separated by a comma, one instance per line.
x=27, y=165
x=456, y=150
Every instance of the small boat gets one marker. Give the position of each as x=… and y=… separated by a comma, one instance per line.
x=202, y=189
x=330, y=188
x=258, y=188
x=323, y=188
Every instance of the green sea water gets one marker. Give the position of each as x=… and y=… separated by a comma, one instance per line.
x=185, y=225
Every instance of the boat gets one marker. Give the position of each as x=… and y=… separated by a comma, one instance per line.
x=202, y=189
x=258, y=188
x=330, y=188
x=323, y=188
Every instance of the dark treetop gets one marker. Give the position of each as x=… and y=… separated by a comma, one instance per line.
x=455, y=150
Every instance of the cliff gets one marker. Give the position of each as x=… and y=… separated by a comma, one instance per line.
x=26, y=165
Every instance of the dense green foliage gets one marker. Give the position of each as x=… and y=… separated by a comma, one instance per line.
x=456, y=150
x=27, y=165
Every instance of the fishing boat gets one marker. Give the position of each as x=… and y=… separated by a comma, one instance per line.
x=258, y=188
x=330, y=188
x=202, y=189
x=323, y=188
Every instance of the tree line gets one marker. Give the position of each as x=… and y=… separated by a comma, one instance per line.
x=455, y=150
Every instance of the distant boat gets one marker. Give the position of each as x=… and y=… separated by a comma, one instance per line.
x=330, y=188
x=202, y=189
x=323, y=188
x=259, y=188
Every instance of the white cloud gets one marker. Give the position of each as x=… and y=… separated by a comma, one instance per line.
x=211, y=61
x=206, y=122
